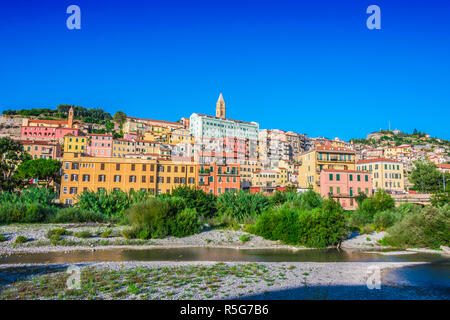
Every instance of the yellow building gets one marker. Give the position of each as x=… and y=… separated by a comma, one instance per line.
x=75, y=143
x=395, y=151
x=387, y=174
x=312, y=162
x=95, y=173
x=180, y=136
x=247, y=168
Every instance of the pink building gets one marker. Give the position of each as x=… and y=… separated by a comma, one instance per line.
x=345, y=185
x=50, y=133
x=100, y=145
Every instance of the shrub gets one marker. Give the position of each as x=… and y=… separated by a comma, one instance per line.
x=367, y=229
x=16, y=212
x=241, y=205
x=83, y=234
x=383, y=220
x=2, y=238
x=21, y=239
x=186, y=223
x=73, y=214
x=195, y=198
x=130, y=233
x=428, y=227
x=106, y=233
x=57, y=232
x=318, y=227
x=152, y=215
x=244, y=238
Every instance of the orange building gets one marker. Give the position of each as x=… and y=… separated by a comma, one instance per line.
x=217, y=179
x=42, y=149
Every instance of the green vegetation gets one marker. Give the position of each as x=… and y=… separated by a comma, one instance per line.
x=47, y=170
x=91, y=115
x=12, y=155
x=21, y=239
x=83, y=234
x=293, y=224
x=2, y=238
x=427, y=178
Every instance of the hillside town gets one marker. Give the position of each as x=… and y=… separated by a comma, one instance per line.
x=218, y=154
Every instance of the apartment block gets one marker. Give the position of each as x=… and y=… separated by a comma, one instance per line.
x=387, y=174
x=82, y=173
x=217, y=179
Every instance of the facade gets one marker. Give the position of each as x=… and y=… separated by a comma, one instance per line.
x=247, y=168
x=312, y=162
x=75, y=143
x=100, y=145
x=81, y=173
x=217, y=179
x=387, y=174
x=42, y=149
x=50, y=129
x=443, y=167
x=140, y=125
x=345, y=185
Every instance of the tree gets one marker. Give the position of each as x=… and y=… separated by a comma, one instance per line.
x=120, y=117
x=11, y=155
x=47, y=170
x=109, y=126
x=426, y=177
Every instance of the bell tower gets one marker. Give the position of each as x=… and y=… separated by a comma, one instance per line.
x=70, y=120
x=220, y=107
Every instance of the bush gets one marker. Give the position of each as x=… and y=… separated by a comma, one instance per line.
x=106, y=233
x=2, y=238
x=428, y=227
x=385, y=219
x=202, y=202
x=319, y=227
x=244, y=238
x=186, y=223
x=73, y=214
x=57, y=232
x=16, y=212
x=83, y=234
x=241, y=205
x=21, y=239
x=367, y=229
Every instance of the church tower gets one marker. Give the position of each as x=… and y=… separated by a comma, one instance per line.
x=70, y=120
x=220, y=107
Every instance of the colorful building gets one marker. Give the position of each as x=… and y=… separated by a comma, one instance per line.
x=100, y=145
x=39, y=149
x=312, y=162
x=345, y=185
x=50, y=129
x=81, y=173
x=217, y=179
x=387, y=174
x=75, y=143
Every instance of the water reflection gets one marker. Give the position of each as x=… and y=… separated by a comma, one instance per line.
x=214, y=254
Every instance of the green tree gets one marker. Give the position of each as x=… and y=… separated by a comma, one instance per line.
x=120, y=117
x=12, y=155
x=47, y=170
x=426, y=177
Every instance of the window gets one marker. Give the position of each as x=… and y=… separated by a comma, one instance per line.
x=151, y=179
x=160, y=180
x=366, y=178
x=168, y=179
x=331, y=190
x=338, y=190
x=351, y=177
x=367, y=191
x=351, y=192
x=191, y=169
x=73, y=190
x=102, y=166
x=152, y=167
x=331, y=177
x=101, y=178
x=168, y=168
x=144, y=168
x=338, y=177
x=117, y=178
x=117, y=166
x=143, y=179
x=74, y=177
x=132, y=179
x=67, y=165
x=75, y=166
x=133, y=167
x=66, y=177
x=86, y=177
x=358, y=177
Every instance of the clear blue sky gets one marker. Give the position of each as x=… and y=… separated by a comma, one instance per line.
x=307, y=66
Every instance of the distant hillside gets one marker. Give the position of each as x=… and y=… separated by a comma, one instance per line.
x=91, y=115
x=397, y=138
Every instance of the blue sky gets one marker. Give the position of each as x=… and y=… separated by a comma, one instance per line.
x=307, y=66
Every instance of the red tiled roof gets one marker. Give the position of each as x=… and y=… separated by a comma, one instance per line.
x=100, y=134
x=377, y=160
x=444, y=165
x=163, y=121
x=331, y=148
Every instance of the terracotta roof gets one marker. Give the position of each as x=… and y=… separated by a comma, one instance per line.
x=100, y=134
x=377, y=160
x=331, y=148
x=49, y=121
x=444, y=165
x=39, y=142
x=163, y=121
